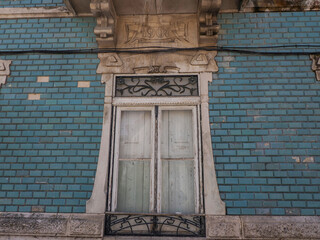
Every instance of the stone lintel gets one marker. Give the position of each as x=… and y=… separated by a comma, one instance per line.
x=170, y=63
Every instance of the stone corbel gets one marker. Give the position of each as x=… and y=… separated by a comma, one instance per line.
x=316, y=64
x=105, y=13
x=4, y=71
x=209, y=27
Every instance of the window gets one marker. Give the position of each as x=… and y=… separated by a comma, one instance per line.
x=155, y=170
x=156, y=164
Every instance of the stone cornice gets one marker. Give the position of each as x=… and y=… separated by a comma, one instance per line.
x=279, y=5
x=36, y=12
x=165, y=30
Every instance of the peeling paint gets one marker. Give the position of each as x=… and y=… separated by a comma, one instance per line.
x=297, y=159
x=308, y=160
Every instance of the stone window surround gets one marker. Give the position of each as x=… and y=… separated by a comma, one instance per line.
x=98, y=201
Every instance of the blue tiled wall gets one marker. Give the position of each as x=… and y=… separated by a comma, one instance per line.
x=31, y=3
x=264, y=113
x=49, y=147
x=265, y=117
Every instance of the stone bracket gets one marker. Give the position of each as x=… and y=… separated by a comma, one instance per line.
x=316, y=64
x=4, y=71
x=209, y=27
x=106, y=16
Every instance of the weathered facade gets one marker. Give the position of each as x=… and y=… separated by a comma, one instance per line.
x=240, y=77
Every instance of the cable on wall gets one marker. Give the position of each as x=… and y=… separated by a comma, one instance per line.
x=294, y=49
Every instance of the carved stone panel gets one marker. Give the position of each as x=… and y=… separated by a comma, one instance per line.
x=316, y=64
x=179, y=62
x=4, y=71
x=158, y=30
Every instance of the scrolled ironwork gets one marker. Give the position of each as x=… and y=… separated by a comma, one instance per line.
x=155, y=225
x=150, y=86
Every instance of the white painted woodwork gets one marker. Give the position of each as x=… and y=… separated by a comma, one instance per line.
x=133, y=161
x=177, y=134
x=177, y=191
x=135, y=135
x=177, y=186
x=134, y=186
x=178, y=177
x=134, y=173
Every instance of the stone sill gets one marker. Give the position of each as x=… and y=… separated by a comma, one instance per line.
x=46, y=226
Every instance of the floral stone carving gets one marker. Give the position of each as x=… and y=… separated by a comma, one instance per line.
x=4, y=71
x=316, y=64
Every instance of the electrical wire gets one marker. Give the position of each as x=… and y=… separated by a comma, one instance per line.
x=293, y=49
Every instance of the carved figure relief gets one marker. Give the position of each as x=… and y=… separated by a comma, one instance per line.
x=316, y=64
x=4, y=71
x=155, y=33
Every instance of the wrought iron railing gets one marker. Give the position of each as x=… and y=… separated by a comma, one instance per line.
x=155, y=224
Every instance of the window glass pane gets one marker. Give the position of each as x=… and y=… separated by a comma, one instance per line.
x=177, y=134
x=134, y=186
x=178, y=186
x=135, y=135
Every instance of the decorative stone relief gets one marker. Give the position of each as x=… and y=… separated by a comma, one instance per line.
x=4, y=71
x=157, y=30
x=156, y=33
x=180, y=62
x=316, y=64
x=104, y=11
x=209, y=27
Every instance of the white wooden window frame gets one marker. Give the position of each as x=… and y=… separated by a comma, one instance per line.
x=116, y=157
x=156, y=161
x=197, y=149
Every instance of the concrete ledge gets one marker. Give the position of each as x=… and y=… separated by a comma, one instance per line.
x=263, y=227
x=45, y=224
x=41, y=226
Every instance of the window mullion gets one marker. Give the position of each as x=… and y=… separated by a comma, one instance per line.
x=158, y=162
